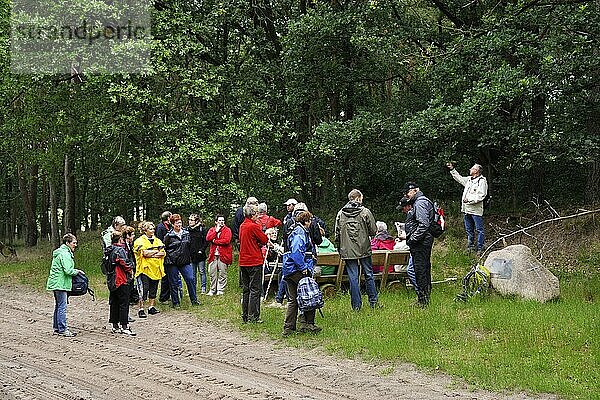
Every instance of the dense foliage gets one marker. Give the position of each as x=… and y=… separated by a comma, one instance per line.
x=308, y=99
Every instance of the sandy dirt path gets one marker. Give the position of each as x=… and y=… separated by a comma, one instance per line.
x=177, y=356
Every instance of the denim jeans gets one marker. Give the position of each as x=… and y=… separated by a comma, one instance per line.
x=187, y=271
x=281, y=290
x=474, y=223
x=352, y=267
x=200, y=267
x=410, y=271
x=59, y=320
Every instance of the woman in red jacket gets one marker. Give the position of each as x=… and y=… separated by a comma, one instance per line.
x=252, y=239
x=219, y=258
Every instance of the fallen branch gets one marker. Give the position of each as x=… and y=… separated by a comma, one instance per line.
x=524, y=230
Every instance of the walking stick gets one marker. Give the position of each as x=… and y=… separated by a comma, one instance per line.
x=271, y=278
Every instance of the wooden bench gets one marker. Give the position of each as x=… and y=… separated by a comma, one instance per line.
x=330, y=284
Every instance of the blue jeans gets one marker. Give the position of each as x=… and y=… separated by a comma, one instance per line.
x=410, y=271
x=281, y=290
x=474, y=223
x=187, y=271
x=200, y=266
x=353, y=268
x=59, y=320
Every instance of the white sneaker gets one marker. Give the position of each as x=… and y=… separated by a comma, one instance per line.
x=211, y=293
x=128, y=332
x=220, y=293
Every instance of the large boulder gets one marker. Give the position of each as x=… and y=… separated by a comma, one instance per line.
x=514, y=270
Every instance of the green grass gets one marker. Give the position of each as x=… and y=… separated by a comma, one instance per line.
x=492, y=342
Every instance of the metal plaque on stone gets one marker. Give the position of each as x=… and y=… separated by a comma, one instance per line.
x=501, y=268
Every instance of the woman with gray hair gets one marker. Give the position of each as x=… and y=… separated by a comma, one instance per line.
x=382, y=241
x=252, y=238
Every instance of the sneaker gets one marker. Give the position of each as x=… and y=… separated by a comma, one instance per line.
x=195, y=303
x=203, y=291
x=116, y=330
x=210, y=293
x=288, y=332
x=220, y=293
x=67, y=333
x=128, y=332
x=153, y=311
x=142, y=314
x=129, y=319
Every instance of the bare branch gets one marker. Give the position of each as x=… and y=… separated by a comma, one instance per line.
x=580, y=213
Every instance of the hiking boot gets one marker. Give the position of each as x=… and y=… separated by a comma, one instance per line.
x=153, y=311
x=67, y=333
x=312, y=328
x=128, y=332
x=288, y=332
x=142, y=314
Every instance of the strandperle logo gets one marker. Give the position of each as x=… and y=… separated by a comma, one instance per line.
x=83, y=31
x=54, y=37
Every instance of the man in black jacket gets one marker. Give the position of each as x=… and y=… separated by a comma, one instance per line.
x=419, y=239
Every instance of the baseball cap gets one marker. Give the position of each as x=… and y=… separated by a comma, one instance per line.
x=291, y=201
x=404, y=201
x=408, y=186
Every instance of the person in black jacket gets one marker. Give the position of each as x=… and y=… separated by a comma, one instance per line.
x=198, y=246
x=161, y=231
x=419, y=239
x=178, y=260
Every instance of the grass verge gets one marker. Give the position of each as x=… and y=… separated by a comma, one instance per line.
x=492, y=342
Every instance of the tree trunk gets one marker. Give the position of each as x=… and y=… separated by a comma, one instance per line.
x=44, y=207
x=28, y=181
x=69, y=217
x=54, y=233
x=592, y=190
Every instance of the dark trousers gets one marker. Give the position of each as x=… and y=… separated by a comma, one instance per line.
x=165, y=290
x=292, y=307
x=251, y=289
x=421, y=256
x=119, y=306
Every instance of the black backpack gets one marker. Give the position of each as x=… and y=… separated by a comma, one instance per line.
x=106, y=266
x=80, y=286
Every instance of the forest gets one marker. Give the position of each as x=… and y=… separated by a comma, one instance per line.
x=307, y=99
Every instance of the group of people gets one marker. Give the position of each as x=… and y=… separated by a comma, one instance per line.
x=169, y=251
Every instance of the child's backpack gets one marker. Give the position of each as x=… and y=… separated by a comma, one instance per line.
x=309, y=296
x=439, y=222
x=81, y=286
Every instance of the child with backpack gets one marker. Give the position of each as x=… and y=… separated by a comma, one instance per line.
x=298, y=263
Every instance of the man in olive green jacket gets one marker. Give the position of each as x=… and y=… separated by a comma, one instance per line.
x=60, y=281
x=353, y=226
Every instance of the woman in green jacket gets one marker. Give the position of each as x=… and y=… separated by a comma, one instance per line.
x=60, y=281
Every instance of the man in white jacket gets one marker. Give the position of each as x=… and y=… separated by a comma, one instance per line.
x=475, y=191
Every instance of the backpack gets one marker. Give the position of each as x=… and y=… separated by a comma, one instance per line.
x=106, y=265
x=309, y=296
x=439, y=222
x=81, y=286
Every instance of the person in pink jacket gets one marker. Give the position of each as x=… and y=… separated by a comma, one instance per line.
x=382, y=241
